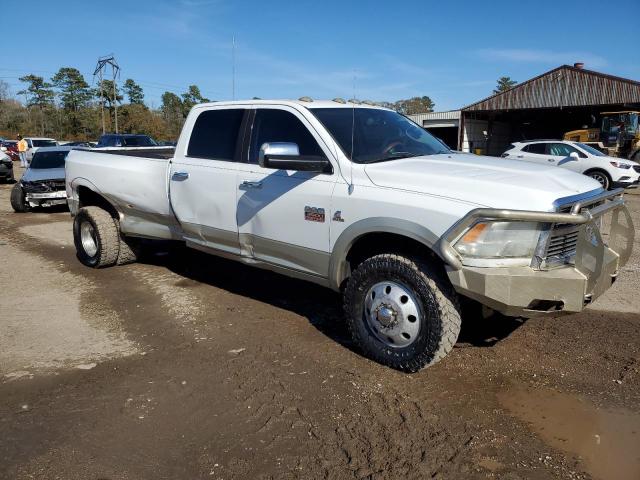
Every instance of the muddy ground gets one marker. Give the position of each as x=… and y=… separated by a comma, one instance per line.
x=186, y=366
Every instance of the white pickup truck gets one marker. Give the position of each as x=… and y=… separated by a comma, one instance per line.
x=361, y=200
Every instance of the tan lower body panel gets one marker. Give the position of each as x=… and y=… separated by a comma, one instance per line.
x=517, y=291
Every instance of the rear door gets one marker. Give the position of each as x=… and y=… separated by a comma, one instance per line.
x=534, y=152
x=202, y=178
x=284, y=216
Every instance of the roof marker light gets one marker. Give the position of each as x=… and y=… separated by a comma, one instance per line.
x=339, y=100
x=305, y=99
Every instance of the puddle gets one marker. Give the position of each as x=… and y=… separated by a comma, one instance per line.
x=607, y=441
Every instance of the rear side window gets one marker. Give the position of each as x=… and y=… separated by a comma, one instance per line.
x=215, y=134
x=539, y=148
x=281, y=126
x=108, y=141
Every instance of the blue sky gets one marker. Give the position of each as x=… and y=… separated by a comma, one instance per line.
x=452, y=51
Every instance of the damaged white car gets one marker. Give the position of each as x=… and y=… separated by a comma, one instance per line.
x=42, y=184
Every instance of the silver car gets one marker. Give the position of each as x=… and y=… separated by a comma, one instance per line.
x=42, y=184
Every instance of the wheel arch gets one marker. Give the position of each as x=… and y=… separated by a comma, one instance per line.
x=85, y=194
x=597, y=169
x=372, y=236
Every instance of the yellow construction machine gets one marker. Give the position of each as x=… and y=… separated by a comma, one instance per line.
x=619, y=135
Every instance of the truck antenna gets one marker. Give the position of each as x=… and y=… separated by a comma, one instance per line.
x=353, y=129
x=233, y=67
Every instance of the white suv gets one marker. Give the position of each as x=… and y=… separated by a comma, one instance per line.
x=34, y=143
x=611, y=172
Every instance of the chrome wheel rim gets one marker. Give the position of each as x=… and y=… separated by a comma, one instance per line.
x=392, y=314
x=88, y=239
x=604, y=181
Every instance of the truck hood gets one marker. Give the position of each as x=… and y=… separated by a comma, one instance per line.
x=40, y=174
x=483, y=181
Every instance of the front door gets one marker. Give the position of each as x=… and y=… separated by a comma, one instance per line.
x=202, y=179
x=284, y=216
x=560, y=153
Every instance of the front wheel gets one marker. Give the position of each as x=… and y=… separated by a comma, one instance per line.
x=18, y=200
x=401, y=313
x=601, y=177
x=95, y=234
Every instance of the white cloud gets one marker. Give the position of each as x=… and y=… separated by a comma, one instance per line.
x=542, y=56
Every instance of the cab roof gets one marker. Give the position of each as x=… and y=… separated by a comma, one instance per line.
x=62, y=148
x=309, y=104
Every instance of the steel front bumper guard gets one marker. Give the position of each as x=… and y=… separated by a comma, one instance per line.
x=527, y=291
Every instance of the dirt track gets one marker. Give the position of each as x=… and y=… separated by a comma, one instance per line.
x=187, y=366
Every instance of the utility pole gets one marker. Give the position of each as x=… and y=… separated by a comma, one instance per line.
x=101, y=66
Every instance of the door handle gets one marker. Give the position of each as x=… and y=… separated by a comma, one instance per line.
x=551, y=160
x=519, y=156
x=179, y=176
x=247, y=184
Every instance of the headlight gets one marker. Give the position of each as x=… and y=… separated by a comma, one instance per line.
x=624, y=166
x=499, y=240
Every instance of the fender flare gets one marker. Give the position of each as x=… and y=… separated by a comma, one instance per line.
x=338, y=264
x=74, y=199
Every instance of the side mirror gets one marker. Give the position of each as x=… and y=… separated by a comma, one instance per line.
x=574, y=156
x=286, y=156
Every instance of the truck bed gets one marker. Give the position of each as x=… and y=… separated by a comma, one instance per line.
x=146, y=152
x=134, y=181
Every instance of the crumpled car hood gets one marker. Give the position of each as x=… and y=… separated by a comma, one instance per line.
x=40, y=174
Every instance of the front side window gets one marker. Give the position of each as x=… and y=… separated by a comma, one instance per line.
x=369, y=135
x=215, y=134
x=272, y=125
x=562, y=150
x=48, y=160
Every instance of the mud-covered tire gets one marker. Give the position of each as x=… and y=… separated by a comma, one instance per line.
x=18, y=200
x=129, y=250
x=100, y=227
x=440, y=316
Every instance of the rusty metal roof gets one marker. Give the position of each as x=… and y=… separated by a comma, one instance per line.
x=565, y=86
x=448, y=115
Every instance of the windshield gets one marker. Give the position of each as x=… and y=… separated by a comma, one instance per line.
x=591, y=150
x=138, y=141
x=377, y=135
x=44, y=143
x=43, y=160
